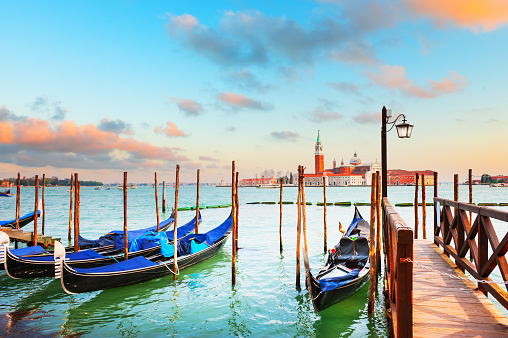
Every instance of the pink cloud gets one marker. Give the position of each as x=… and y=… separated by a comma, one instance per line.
x=395, y=78
x=190, y=107
x=170, y=130
x=207, y=158
x=51, y=143
x=368, y=118
x=478, y=15
x=241, y=101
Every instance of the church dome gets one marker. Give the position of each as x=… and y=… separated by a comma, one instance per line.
x=355, y=160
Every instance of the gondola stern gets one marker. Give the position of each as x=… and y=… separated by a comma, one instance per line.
x=4, y=246
x=60, y=265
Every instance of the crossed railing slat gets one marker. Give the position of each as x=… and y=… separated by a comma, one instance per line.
x=458, y=237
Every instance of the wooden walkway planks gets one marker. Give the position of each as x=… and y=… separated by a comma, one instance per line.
x=447, y=307
x=27, y=237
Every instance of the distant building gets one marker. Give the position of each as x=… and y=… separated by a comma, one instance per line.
x=255, y=182
x=353, y=173
x=7, y=184
x=407, y=177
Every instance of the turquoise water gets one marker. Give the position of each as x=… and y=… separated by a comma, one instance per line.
x=264, y=302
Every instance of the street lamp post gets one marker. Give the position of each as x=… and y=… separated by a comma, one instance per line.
x=403, y=131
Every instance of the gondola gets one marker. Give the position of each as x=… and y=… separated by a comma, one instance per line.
x=31, y=266
x=345, y=271
x=24, y=220
x=6, y=193
x=192, y=249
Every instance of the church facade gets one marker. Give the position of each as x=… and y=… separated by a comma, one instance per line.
x=353, y=174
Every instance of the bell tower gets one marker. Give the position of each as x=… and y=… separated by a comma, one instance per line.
x=319, y=158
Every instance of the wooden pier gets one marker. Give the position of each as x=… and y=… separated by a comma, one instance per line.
x=428, y=294
x=448, y=307
x=20, y=236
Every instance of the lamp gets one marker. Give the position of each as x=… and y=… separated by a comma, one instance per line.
x=404, y=130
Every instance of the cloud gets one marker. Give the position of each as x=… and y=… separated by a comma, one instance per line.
x=252, y=38
x=321, y=116
x=117, y=126
x=189, y=107
x=245, y=79
x=212, y=166
x=285, y=135
x=239, y=101
x=207, y=158
x=356, y=53
x=368, y=118
x=36, y=142
x=170, y=130
x=395, y=78
x=53, y=108
x=477, y=15
x=8, y=115
x=344, y=87
x=231, y=129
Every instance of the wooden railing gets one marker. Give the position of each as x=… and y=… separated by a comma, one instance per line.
x=475, y=238
x=398, y=250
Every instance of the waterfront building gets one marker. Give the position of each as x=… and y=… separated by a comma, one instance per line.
x=407, y=177
x=353, y=174
x=256, y=182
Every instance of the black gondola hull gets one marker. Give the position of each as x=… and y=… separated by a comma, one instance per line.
x=74, y=282
x=323, y=300
x=17, y=267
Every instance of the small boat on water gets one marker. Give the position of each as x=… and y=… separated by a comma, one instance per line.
x=346, y=269
x=20, y=264
x=23, y=220
x=6, y=193
x=191, y=249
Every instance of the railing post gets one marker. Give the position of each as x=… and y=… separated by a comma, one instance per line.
x=404, y=284
x=436, y=210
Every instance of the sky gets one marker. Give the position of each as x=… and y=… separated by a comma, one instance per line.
x=103, y=87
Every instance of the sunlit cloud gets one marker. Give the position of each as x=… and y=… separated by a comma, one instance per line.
x=344, y=87
x=170, y=130
x=285, y=135
x=35, y=142
x=477, y=15
x=395, y=78
x=116, y=126
x=239, y=101
x=189, y=107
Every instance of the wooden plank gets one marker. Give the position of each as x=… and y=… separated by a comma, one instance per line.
x=446, y=306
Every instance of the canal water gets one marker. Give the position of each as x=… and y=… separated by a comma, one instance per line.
x=264, y=302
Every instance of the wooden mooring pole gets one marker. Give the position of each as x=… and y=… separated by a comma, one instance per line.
x=304, y=211
x=416, y=206
x=175, y=237
x=71, y=190
x=470, y=179
x=236, y=211
x=372, y=246
x=325, y=242
x=233, y=205
x=43, y=203
x=298, y=226
x=36, y=208
x=18, y=190
x=164, y=197
x=379, y=210
x=125, y=233
x=424, y=210
x=156, y=203
x=76, y=202
x=197, y=203
x=280, y=215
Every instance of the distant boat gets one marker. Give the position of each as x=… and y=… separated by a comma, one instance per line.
x=499, y=185
x=6, y=193
x=97, y=188
x=129, y=186
x=268, y=186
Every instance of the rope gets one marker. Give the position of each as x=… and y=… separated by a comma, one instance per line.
x=409, y=260
x=177, y=268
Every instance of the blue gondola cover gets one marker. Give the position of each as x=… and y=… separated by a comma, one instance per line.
x=328, y=284
x=130, y=264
